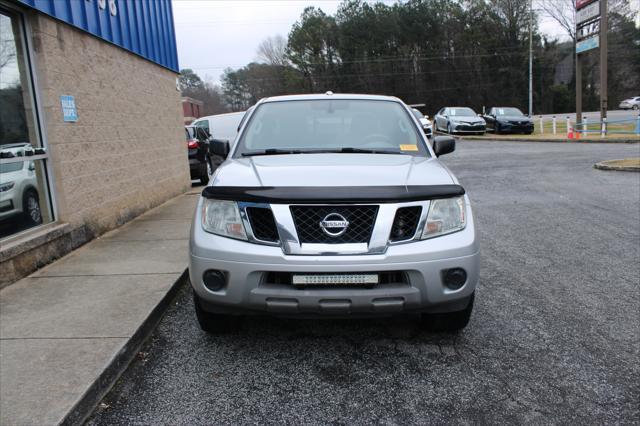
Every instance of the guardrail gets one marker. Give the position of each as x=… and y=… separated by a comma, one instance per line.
x=606, y=127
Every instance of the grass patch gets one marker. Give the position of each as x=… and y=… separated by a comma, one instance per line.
x=626, y=162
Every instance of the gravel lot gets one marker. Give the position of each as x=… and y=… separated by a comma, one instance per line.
x=554, y=337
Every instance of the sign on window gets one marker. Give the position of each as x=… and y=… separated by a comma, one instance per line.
x=69, y=112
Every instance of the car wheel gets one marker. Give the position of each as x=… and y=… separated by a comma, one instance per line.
x=529, y=132
x=449, y=128
x=31, y=208
x=496, y=129
x=205, y=179
x=635, y=107
x=450, y=321
x=215, y=323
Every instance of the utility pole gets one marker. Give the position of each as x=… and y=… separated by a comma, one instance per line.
x=530, y=58
x=578, y=89
x=604, y=51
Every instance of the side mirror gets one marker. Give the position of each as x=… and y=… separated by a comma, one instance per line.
x=219, y=147
x=443, y=145
x=426, y=116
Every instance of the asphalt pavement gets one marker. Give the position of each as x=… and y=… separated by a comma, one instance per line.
x=554, y=336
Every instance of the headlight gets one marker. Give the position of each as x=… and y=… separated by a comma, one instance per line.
x=6, y=186
x=222, y=218
x=445, y=216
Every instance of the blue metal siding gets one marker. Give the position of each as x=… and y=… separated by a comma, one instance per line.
x=144, y=27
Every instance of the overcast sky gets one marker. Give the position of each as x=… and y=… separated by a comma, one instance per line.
x=215, y=34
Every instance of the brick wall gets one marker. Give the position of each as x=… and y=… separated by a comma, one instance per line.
x=126, y=153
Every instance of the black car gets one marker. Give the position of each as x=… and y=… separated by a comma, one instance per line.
x=508, y=120
x=201, y=163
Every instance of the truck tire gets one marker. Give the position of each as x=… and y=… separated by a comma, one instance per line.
x=204, y=179
x=215, y=323
x=450, y=322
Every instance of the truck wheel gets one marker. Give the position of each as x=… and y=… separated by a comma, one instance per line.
x=31, y=208
x=450, y=321
x=215, y=323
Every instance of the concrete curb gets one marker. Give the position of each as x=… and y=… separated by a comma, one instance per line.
x=606, y=165
x=501, y=139
x=117, y=366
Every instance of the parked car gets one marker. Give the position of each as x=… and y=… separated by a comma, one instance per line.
x=631, y=103
x=459, y=120
x=508, y=120
x=201, y=162
x=19, y=195
x=333, y=206
x=427, y=127
x=221, y=126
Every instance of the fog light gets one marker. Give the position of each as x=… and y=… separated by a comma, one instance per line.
x=454, y=278
x=214, y=280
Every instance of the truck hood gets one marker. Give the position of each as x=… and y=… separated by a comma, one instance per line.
x=332, y=170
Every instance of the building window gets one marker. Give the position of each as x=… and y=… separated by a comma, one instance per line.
x=24, y=186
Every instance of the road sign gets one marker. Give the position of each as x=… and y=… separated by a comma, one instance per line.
x=587, y=44
x=582, y=3
x=588, y=12
x=587, y=30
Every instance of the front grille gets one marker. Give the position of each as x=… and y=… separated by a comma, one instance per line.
x=307, y=221
x=470, y=127
x=262, y=223
x=386, y=278
x=405, y=223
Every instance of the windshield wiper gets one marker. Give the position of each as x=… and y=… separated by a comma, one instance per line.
x=367, y=151
x=272, y=151
x=347, y=150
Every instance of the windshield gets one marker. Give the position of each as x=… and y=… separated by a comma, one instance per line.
x=190, y=132
x=462, y=112
x=509, y=111
x=342, y=125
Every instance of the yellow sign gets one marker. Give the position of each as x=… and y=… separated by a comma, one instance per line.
x=408, y=147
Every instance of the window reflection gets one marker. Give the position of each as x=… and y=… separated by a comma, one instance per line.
x=24, y=201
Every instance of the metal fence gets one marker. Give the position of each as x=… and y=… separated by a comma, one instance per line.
x=554, y=125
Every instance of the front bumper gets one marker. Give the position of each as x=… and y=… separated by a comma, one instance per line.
x=468, y=128
x=197, y=168
x=516, y=128
x=248, y=290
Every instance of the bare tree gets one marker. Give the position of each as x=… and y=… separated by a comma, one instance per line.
x=7, y=46
x=272, y=51
x=563, y=12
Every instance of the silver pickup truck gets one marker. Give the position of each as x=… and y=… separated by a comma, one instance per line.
x=333, y=206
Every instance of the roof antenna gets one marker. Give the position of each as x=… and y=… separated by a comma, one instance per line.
x=329, y=93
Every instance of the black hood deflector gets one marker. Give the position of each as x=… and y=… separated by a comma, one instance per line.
x=332, y=195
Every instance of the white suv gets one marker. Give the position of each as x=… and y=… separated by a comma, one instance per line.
x=19, y=187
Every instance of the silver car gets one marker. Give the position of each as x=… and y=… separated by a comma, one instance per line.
x=631, y=103
x=459, y=120
x=333, y=206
